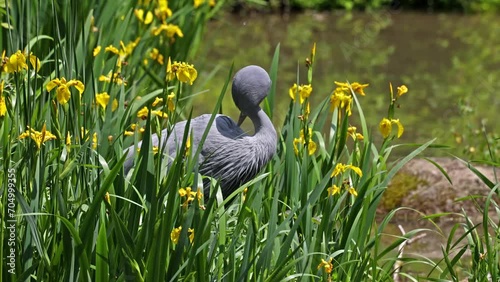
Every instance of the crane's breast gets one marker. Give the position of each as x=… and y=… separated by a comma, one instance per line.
x=233, y=163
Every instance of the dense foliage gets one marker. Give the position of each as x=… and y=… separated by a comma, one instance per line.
x=79, y=83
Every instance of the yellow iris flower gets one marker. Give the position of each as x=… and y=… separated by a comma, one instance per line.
x=170, y=101
x=39, y=137
x=112, y=49
x=339, y=99
x=311, y=145
x=174, y=235
x=351, y=131
x=356, y=87
x=333, y=190
x=94, y=140
x=35, y=62
x=190, y=195
x=402, y=90
x=163, y=12
x=115, y=78
x=170, y=30
x=352, y=191
x=341, y=168
x=123, y=52
x=327, y=265
x=155, y=55
x=68, y=139
x=160, y=114
x=198, y=3
x=139, y=14
x=96, y=51
x=184, y=72
x=143, y=113
x=157, y=101
x=303, y=91
x=102, y=100
x=16, y=62
x=3, y=107
x=191, y=235
x=62, y=92
x=385, y=127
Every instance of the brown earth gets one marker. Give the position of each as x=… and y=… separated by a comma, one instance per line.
x=420, y=185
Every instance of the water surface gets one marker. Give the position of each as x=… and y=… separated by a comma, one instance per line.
x=450, y=63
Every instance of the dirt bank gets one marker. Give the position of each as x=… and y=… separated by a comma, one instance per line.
x=422, y=186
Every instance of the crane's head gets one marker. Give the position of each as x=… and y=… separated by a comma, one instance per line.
x=250, y=86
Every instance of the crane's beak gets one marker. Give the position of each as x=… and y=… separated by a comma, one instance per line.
x=242, y=118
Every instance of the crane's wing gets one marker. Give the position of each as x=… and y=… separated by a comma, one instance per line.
x=223, y=131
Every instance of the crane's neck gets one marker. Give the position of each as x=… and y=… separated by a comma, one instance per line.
x=265, y=134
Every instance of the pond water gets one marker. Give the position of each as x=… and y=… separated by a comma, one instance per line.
x=450, y=63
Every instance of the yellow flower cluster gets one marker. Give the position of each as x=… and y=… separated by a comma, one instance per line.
x=339, y=169
x=311, y=145
x=302, y=91
x=144, y=112
x=62, y=92
x=184, y=72
x=162, y=12
x=327, y=265
x=341, y=97
x=39, y=137
x=123, y=52
x=17, y=62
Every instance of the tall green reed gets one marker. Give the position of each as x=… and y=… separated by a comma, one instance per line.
x=63, y=229
x=310, y=215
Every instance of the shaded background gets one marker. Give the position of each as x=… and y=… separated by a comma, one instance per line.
x=450, y=63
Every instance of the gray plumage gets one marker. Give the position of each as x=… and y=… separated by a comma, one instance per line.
x=228, y=154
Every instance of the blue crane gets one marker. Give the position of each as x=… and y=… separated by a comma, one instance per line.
x=229, y=154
